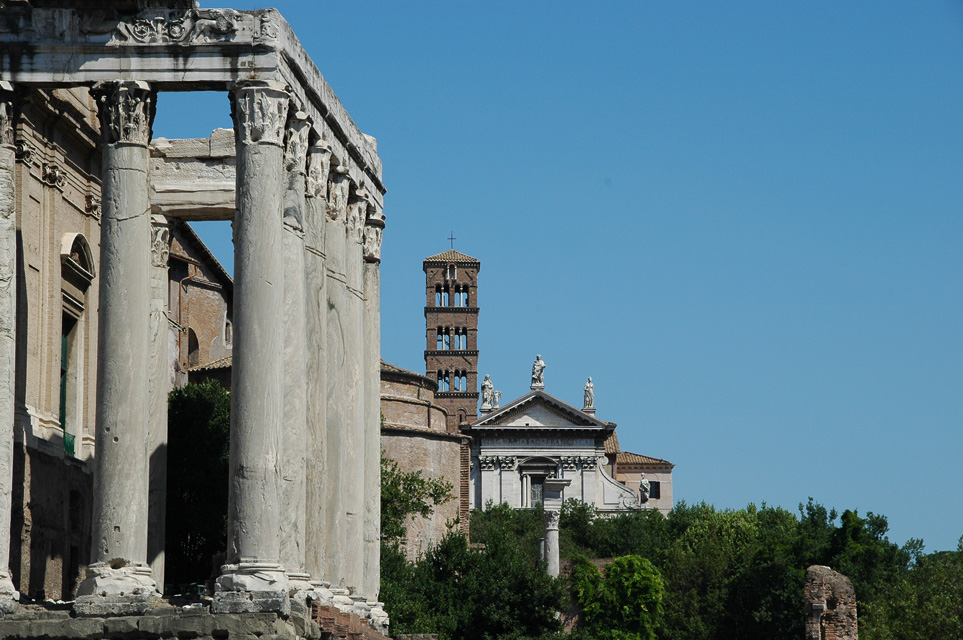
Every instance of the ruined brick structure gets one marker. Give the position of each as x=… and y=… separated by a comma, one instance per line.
x=451, y=330
x=830, y=605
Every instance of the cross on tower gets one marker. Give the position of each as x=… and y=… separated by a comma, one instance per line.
x=452, y=238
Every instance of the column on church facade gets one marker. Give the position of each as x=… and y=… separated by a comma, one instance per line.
x=253, y=578
x=374, y=226
x=337, y=347
x=8, y=335
x=294, y=441
x=354, y=365
x=316, y=515
x=119, y=566
x=158, y=387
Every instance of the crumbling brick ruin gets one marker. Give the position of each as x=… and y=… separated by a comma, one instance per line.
x=830, y=605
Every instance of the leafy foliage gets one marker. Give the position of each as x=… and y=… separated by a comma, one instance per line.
x=407, y=494
x=198, y=467
x=625, y=604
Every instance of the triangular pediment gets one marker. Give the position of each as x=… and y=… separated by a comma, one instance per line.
x=539, y=410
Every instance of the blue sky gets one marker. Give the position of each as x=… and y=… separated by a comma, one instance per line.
x=744, y=220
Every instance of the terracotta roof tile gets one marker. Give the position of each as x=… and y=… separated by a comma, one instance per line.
x=220, y=363
x=612, y=444
x=451, y=256
x=624, y=457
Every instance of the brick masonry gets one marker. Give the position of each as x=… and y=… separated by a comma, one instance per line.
x=830, y=605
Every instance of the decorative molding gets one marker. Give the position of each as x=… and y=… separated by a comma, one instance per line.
x=506, y=463
x=259, y=110
x=190, y=27
x=92, y=206
x=53, y=175
x=267, y=29
x=160, y=242
x=23, y=152
x=569, y=463
x=126, y=110
x=487, y=463
x=588, y=462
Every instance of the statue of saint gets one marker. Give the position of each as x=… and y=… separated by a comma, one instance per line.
x=589, y=394
x=488, y=393
x=644, y=489
x=498, y=398
x=538, y=373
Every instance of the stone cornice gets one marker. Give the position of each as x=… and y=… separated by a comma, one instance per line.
x=194, y=49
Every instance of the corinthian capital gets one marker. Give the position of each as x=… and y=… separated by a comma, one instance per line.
x=338, y=190
x=319, y=163
x=7, y=117
x=357, y=213
x=260, y=111
x=126, y=111
x=373, y=230
x=296, y=142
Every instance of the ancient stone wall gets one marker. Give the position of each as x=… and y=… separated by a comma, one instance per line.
x=830, y=605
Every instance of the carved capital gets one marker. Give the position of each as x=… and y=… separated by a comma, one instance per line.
x=259, y=109
x=319, y=163
x=506, y=463
x=589, y=462
x=487, y=462
x=126, y=111
x=569, y=463
x=23, y=152
x=338, y=189
x=551, y=518
x=8, y=118
x=373, y=230
x=357, y=213
x=92, y=206
x=296, y=142
x=160, y=241
x=53, y=175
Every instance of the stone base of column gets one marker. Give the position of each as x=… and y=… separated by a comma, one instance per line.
x=379, y=617
x=299, y=585
x=360, y=607
x=9, y=596
x=341, y=599
x=252, y=587
x=121, y=591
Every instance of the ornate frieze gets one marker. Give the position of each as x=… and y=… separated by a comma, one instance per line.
x=569, y=463
x=126, y=110
x=506, y=463
x=487, y=463
x=260, y=110
x=373, y=231
x=589, y=462
x=267, y=26
x=190, y=27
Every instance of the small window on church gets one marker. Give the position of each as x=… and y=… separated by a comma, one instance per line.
x=437, y=295
x=537, y=493
x=452, y=272
x=193, y=349
x=655, y=489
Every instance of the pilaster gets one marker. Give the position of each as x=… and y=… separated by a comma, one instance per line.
x=119, y=580
x=253, y=578
x=8, y=335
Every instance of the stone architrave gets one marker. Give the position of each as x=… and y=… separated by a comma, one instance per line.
x=253, y=578
x=119, y=580
x=336, y=347
x=353, y=471
x=159, y=386
x=373, y=230
x=294, y=442
x=319, y=161
x=8, y=335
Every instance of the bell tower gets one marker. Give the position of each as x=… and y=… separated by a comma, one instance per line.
x=451, y=331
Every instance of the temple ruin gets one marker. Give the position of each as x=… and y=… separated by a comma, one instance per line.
x=303, y=186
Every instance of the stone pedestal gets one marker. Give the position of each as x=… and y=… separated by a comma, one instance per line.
x=120, y=577
x=8, y=335
x=253, y=579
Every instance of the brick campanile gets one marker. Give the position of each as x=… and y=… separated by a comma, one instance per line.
x=451, y=330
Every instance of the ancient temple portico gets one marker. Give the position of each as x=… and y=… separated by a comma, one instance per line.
x=307, y=205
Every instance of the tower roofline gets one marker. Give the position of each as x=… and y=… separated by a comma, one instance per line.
x=447, y=257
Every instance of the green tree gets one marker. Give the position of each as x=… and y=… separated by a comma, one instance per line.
x=198, y=435
x=625, y=604
x=405, y=495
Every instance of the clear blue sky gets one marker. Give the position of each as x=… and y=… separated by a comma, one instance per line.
x=744, y=220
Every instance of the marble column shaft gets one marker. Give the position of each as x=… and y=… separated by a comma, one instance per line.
x=259, y=109
x=319, y=159
x=8, y=333
x=159, y=386
x=551, y=541
x=374, y=226
x=294, y=440
x=119, y=536
x=355, y=390
x=336, y=348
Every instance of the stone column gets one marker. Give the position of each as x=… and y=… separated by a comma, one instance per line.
x=159, y=386
x=355, y=390
x=316, y=521
x=253, y=578
x=551, y=540
x=336, y=353
x=374, y=226
x=294, y=441
x=119, y=580
x=8, y=335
